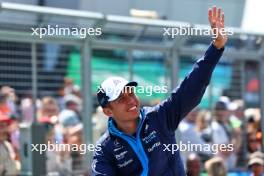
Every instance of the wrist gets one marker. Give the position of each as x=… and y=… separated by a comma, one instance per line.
x=218, y=44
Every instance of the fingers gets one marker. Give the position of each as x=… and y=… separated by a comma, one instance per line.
x=223, y=19
x=219, y=14
x=210, y=14
x=214, y=12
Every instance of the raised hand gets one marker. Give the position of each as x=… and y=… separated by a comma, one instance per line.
x=217, y=21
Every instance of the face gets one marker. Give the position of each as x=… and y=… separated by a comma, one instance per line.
x=202, y=123
x=193, y=167
x=239, y=113
x=192, y=116
x=257, y=169
x=125, y=108
x=222, y=115
x=74, y=106
x=254, y=144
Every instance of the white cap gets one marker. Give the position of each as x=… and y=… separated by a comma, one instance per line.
x=111, y=88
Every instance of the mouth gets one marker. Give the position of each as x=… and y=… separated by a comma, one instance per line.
x=133, y=108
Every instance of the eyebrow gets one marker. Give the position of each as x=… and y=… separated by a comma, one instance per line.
x=120, y=96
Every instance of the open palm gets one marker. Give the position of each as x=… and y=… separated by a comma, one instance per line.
x=217, y=21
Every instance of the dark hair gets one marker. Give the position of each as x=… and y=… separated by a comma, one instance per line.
x=69, y=103
x=220, y=106
x=102, y=97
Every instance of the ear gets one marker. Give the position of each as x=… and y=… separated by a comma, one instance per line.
x=108, y=112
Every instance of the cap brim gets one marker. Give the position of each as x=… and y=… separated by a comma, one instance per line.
x=132, y=83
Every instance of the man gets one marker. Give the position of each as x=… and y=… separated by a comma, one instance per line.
x=189, y=133
x=215, y=167
x=70, y=115
x=8, y=164
x=139, y=141
x=222, y=133
x=256, y=164
x=193, y=165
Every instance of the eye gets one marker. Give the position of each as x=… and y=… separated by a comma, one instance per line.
x=121, y=99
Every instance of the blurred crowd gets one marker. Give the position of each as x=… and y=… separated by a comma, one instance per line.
x=61, y=117
x=229, y=122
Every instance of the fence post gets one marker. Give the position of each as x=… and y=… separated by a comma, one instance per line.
x=130, y=64
x=261, y=72
x=34, y=77
x=87, y=96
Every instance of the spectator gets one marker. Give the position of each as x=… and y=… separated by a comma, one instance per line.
x=48, y=113
x=60, y=98
x=68, y=86
x=189, y=134
x=70, y=115
x=215, y=167
x=203, y=121
x=75, y=136
x=256, y=165
x=254, y=134
x=222, y=133
x=57, y=162
x=49, y=110
x=8, y=164
x=77, y=91
x=6, y=105
x=237, y=108
x=11, y=100
x=4, y=108
x=254, y=144
x=27, y=109
x=253, y=120
x=237, y=121
x=14, y=134
x=193, y=165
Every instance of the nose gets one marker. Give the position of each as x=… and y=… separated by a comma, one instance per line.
x=130, y=101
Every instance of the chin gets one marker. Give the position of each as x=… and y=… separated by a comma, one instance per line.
x=134, y=115
x=137, y=114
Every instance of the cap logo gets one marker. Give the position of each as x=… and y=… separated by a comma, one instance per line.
x=116, y=81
